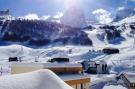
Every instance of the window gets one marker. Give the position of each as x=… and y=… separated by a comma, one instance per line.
x=81, y=86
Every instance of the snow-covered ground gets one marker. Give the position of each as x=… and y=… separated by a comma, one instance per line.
x=41, y=79
x=124, y=61
x=114, y=87
x=100, y=80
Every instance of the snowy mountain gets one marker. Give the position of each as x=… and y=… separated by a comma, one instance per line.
x=127, y=20
x=124, y=61
x=124, y=13
x=38, y=32
x=58, y=40
x=74, y=17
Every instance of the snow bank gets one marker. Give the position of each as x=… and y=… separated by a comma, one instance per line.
x=114, y=87
x=41, y=79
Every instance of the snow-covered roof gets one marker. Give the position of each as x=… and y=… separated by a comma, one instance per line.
x=73, y=77
x=41, y=79
x=47, y=65
x=130, y=77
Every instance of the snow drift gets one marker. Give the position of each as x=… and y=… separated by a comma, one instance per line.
x=41, y=79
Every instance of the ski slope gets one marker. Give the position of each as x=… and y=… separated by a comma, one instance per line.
x=126, y=44
x=93, y=36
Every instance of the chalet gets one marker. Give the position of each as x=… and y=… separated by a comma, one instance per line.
x=95, y=67
x=59, y=60
x=58, y=68
x=76, y=81
x=71, y=73
x=110, y=50
x=129, y=79
x=13, y=59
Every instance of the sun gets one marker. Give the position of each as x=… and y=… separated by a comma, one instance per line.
x=67, y=3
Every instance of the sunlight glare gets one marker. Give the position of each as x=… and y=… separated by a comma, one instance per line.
x=67, y=3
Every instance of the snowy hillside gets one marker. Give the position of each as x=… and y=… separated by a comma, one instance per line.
x=75, y=53
x=124, y=13
x=130, y=19
x=40, y=33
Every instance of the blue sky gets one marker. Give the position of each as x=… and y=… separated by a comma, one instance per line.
x=51, y=7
